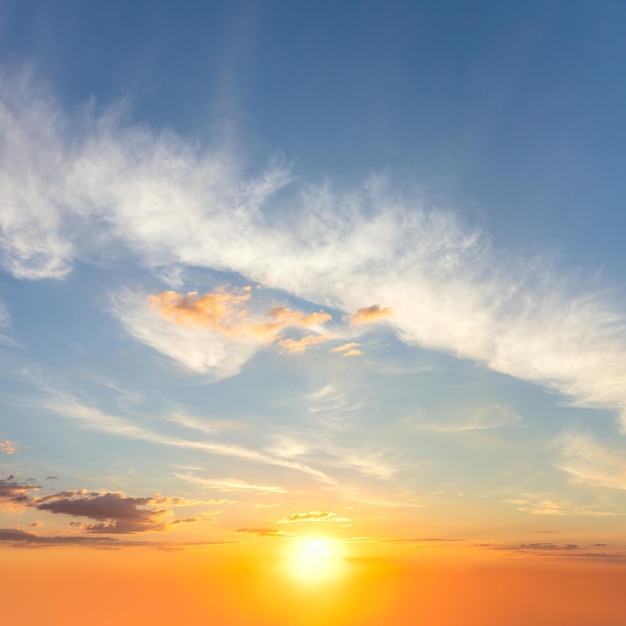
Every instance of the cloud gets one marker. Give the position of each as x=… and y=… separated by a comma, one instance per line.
x=16, y=536
x=300, y=345
x=8, y=447
x=489, y=418
x=348, y=349
x=423, y=540
x=541, y=547
x=313, y=516
x=215, y=332
x=221, y=309
x=76, y=188
x=67, y=406
x=115, y=513
x=205, y=425
x=555, y=550
x=264, y=532
x=230, y=484
x=15, y=496
x=370, y=314
x=544, y=504
x=203, y=350
x=539, y=505
x=224, y=311
x=586, y=461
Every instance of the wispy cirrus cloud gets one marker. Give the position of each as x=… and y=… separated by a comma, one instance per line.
x=73, y=189
x=496, y=416
x=313, y=516
x=215, y=332
x=264, y=532
x=230, y=484
x=348, y=349
x=539, y=504
x=548, y=504
x=66, y=406
x=586, y=461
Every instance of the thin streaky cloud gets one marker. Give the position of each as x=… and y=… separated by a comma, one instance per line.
x=313, y=516
x=586, y=461
x=492, y=417
x=450, y=289
x=230, y=484
x=346, y=346
x=66, y=406
x=208, y=425
x=264, y=532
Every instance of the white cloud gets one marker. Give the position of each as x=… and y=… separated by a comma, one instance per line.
x=230, y=484
x=70, y=188
x=586, y=461
x=69, y=407
x=540, y=504
x=204, y=350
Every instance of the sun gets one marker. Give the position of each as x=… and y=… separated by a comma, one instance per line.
x=314, y=560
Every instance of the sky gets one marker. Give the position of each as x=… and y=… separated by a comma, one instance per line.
x=320, y=297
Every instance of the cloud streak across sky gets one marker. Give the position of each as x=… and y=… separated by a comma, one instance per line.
x=75, y=188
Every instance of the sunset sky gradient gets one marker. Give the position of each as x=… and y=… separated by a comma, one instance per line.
x=345, y=272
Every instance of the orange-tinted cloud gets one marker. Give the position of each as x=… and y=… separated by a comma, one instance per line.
x=263, y=532
x=313, y=516
x=13, y=495
x=9, y=447
x=288, y=317
x=300, y=345
x=370, y=314
x=226, y=310
x=114, y=512
x=348, y=349
x=220, y=309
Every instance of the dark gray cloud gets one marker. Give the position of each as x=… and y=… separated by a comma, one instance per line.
x=114, y=513
x=15, y=495
x=559, y=550
x=538, y=547
x=16, y=536
x=111, y=512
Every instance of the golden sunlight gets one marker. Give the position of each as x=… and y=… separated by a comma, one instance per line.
x=314, y=560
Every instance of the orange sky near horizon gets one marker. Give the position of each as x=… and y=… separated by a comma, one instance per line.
x=226, y=587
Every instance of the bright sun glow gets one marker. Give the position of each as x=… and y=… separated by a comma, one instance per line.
x=316, y=560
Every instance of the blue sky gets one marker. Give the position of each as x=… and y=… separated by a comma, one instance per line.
x=277, y=258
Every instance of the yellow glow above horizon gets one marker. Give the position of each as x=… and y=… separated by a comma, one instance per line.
x=313, y=560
